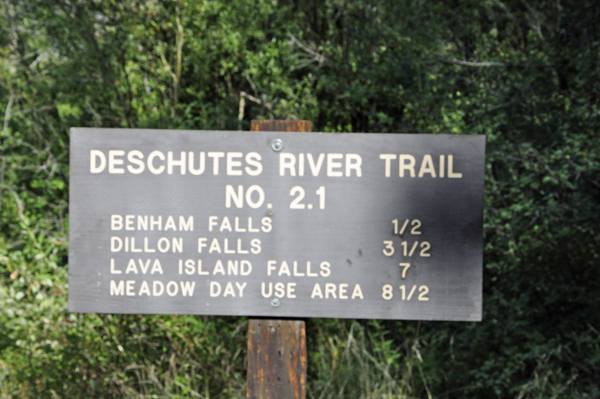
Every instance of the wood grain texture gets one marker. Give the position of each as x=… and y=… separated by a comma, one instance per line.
x=280, y=126
x=277, y=348
x=276, y=359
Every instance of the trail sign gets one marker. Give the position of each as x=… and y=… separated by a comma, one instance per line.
x=276, y=224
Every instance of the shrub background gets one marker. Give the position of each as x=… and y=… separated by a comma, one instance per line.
x=526, y=73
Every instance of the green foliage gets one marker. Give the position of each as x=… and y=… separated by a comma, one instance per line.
x=524, y=73
x=361, y=360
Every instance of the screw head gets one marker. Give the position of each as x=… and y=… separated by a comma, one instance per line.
x=277, y=145
x=275, y=302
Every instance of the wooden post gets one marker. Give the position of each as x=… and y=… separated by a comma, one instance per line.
x=277, y=348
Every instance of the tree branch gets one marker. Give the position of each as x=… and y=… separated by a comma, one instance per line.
x=179, y=44
x=473, y=64
x=243, y=96
x=8, y=107
x=316, y=57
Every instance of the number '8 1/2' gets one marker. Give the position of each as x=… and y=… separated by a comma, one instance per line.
x=407, y=294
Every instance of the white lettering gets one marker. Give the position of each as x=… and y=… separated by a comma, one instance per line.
x=135, y=157
x=287, y=161
x=201, y=166
x=451, y=173
x=427, y=166
x=95, y=156
x=171, y=162
x=112, y=161
x=215, y=289
x=353, y=162
x=331, y=164
x=410, y=166
x=117, y=289
x=232, y=163
x=230, y=194
x=116, y=222
x=388, y=160
x=150, y=162
x=215, y=156
x=253, y=159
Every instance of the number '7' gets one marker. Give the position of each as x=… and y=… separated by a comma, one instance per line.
x=405, y=266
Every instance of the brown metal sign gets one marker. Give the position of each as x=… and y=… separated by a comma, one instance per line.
x=276, y=224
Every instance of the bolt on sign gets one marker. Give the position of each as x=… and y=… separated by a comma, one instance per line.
x=276, y=224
